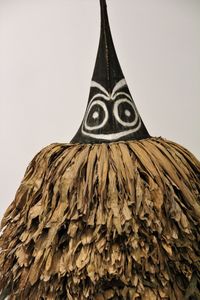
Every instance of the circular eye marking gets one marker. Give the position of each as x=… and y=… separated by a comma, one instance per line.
x=125, y=112
x=96, y=115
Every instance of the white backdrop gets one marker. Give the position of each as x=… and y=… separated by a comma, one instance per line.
x=47, y=54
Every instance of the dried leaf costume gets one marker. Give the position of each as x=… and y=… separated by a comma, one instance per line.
x=113, y=215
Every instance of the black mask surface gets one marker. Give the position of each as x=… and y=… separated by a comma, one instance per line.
x=111, y=114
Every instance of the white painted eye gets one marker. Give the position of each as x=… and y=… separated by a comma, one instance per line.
x=96, y=115
x=125, y=112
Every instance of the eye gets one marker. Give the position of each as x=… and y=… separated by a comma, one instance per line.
x=125, y=112
x=96, y=116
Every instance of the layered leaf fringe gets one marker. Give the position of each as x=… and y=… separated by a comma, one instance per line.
x=105, y=221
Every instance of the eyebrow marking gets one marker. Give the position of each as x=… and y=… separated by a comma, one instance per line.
x=94, y=84
x=122, y=94
x=100, y=96
x=118, y=86
x=105, y=94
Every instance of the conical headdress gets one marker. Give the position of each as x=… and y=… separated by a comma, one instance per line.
x=111, y=114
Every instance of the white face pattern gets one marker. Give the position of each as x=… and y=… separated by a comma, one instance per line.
x=111, y=116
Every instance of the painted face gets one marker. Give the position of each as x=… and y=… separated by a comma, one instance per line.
x=110, y=116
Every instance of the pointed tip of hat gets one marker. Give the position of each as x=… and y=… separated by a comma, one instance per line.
x=107, y=69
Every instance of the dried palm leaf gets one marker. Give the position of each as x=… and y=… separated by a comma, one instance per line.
x=129, y=228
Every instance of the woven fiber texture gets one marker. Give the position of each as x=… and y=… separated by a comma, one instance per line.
x=105, y=221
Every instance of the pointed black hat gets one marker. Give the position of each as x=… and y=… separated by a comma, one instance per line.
x=111, y=114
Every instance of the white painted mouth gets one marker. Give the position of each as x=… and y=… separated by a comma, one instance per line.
x=112, y=136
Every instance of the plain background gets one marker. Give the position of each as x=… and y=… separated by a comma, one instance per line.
x=47, y=54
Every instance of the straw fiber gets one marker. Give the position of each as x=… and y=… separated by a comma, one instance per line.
x=104, y=221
